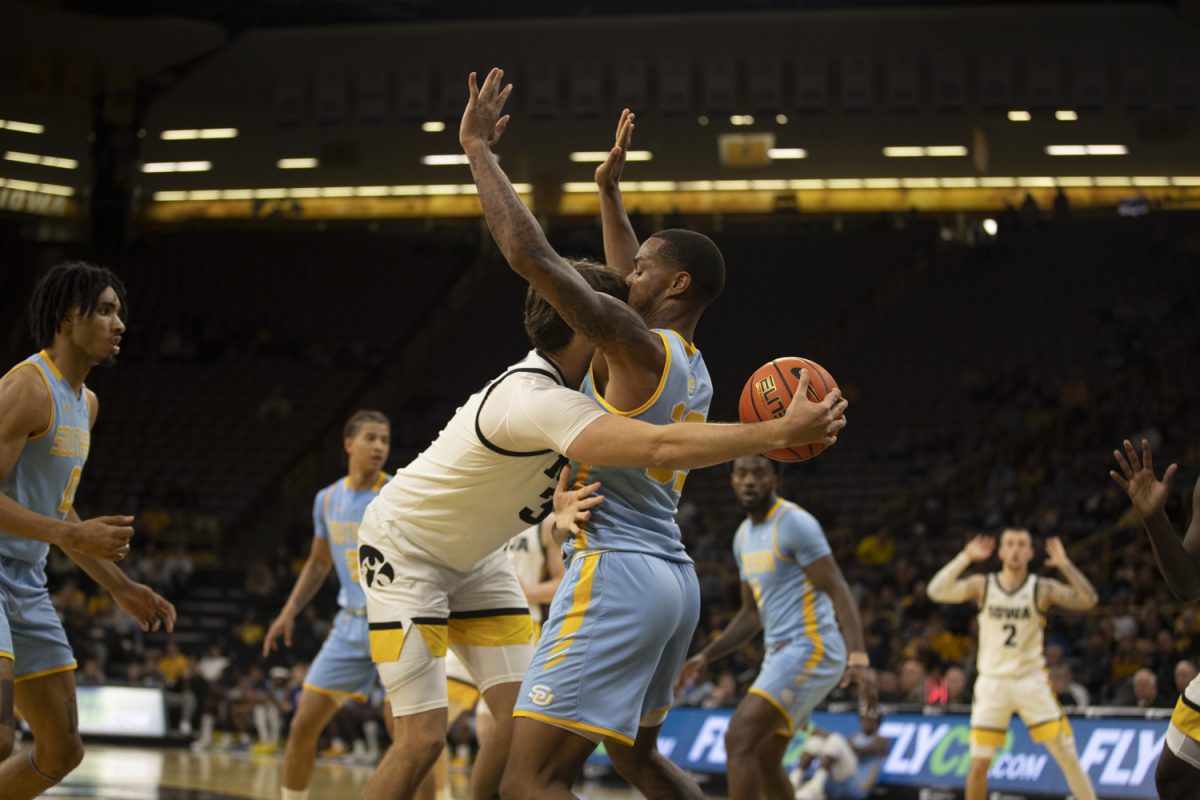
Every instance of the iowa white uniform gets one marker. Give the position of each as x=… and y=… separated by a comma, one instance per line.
x=1012, y=669
x=1183, y=736
x=430, y=552
x=529, y=562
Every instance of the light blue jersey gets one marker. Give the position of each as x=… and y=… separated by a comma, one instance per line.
x=771, y=556
x=638, y=512
x=47, y=473
x=806, y=654
x=337, y=513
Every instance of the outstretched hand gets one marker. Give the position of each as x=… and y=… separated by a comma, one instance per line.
x=608, y=174
x=1147, y=493
x=815, y=422
x=572, y=507
x=980, y=548
x=482, y=122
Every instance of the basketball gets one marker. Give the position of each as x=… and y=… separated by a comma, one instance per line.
x=770, y=390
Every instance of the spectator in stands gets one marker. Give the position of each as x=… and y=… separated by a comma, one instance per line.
x=911, y=684
x=724, y=694
x=172, y=665
x=876, y=549
x=92, y=673
x=250, y=632
x=1141, y=691
x=956, y=686
x=1069, y=693
x=1185, y=673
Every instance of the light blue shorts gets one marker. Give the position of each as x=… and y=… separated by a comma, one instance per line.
x=798, y=675
x=343, y=669
x=618, y=633
x=30, y=631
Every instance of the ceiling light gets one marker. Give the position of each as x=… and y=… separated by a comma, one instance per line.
x=990, y=227
x=297, y=163
x=45, y=161
x=177, y=166
x=433, y=126
x=598, y=156
x=444, y=160
x=943, y=151
x=1086, y=150
x=781, y=153
x=742, y=119
x=22, y=127
x=904, y=152
x=1065, y=115
x=199, y=133
x=1019, y=116
x=781, y=119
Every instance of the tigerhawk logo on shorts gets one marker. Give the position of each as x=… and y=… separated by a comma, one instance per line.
x=373, y=565
x=540, y=695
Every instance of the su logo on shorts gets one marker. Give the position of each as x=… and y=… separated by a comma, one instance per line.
x=540, y=694
x=373, y=565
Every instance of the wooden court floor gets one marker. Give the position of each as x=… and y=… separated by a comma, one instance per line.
x=132, y=773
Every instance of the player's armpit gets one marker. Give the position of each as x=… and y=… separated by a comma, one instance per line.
x=26, y=408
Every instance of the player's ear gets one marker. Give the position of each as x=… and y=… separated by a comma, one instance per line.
x=681, y=283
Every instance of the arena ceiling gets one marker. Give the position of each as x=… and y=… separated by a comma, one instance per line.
x=245, y=14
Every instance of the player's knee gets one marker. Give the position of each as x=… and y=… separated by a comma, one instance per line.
x=58, y=758
x=740, y=739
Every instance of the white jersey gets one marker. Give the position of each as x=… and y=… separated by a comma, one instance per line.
x=529, y=561
x=490, y=472
x=1010, y=630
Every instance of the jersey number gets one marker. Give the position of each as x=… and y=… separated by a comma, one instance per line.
x=68, y=498
x=531, y=517
x=675, y=478
x=1011, y=641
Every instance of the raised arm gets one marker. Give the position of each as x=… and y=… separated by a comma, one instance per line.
x=744, y=626
x=1077, y=594
x=947, y=587
x=826, y=576
x=620, y=240
x=1178, y=561
x=25, y=413
x=609, y=322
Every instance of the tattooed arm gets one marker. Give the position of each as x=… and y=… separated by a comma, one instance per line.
x=607, y=320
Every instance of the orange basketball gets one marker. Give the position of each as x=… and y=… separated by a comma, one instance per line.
x=770, y=390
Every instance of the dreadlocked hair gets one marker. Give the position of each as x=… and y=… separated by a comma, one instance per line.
x=67, y=286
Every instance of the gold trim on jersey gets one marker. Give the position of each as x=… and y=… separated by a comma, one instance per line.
x=688, y=347
x=754, y=690
x=580, y=482
x=987, y=737
x=579, y=606
x=493, y=630
x=1186, y=717
x=341, y=697
x=50, y=363
x=49, y=390
x=44, y=673
x=1050, y=729
x=9, y=656
x=662, y=381
x=570, y=723
x=812, y=629
x=775, y=531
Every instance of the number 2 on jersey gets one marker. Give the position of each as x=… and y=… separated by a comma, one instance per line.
x=675, y=478
x=1011, y=629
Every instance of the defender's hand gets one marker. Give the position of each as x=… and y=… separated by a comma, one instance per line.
x=481, y=122
x=1147, y=493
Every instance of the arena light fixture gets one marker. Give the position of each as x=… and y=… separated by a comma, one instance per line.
x=1065, y=115
x=768, y=185
x=1036, y=183
x=1113, y=181
x=44, y=161
x=845, y=183
x=702, y=120
x=881, y=183
x=182, y=134
x=919, y=183
x=946, y=151
x=298, y=163
x=990, y=227
x=177, y=166
x=1019, y=115
x=21, y=127
x=696, y=186
x=444, y=160
x=1074, y=181
x=33, y=186
x=781, y=119
x=904, y=152
x=598, y=156
x=433, y=126
x=806, y=184
x=741, y=119
x=1147, y=180
x=1185, y=181
x=997, y=183
x=1086, y=150
x=959, y=183
x=782, y=153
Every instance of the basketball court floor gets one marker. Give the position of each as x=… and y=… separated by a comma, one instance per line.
x=131, y=773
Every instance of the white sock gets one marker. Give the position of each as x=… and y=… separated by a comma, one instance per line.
x=295, y=794
x=207, y=721
x=819, y=777
x=371, y=732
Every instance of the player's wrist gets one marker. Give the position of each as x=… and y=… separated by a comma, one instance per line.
x=858, y=658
